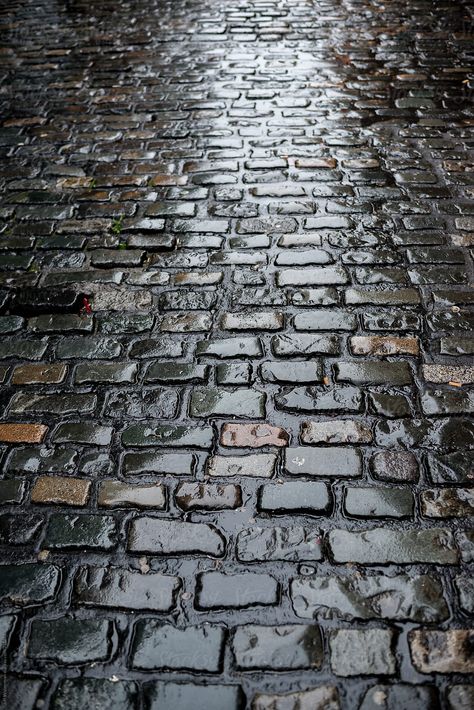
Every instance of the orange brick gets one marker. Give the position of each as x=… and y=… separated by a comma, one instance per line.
x=13, y=433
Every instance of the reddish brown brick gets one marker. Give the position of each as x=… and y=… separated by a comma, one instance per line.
x=14, y=433
x=253, y=435
x=39, y=374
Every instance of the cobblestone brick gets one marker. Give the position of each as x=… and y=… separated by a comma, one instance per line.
x=436, y=651
x=204, y=496
x=173, y=537
x=84, y=692
x=13, y=433
x=258, y=465
x=80, y=531
x=340, y=462
x=368, y=652
x=324, y=697
x=308, y=497
x=119, y=588
x=277, y=648
x=116, y=494
x=186, y=695
x=195, y=648
x=225, y=591
x=293, y=544
x=28, y=584
x=396, y=696
x=253, y=435
x=61, y=490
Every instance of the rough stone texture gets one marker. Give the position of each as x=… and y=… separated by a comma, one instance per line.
x=367, y=652
x=236, y=316
x=436, y=651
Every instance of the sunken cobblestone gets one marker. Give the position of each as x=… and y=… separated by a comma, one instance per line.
x=237, y=309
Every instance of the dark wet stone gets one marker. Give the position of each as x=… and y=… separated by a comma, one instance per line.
x=28, y=584
x=40, y=459
x=451, y=468
x=236, y=373
x=398, y=466
x=292, y=544
x=385, y=297
x=194, y=648
x=400, y=597
x=456, y=346
x=88, y=348
x=340, y=462
x=83, y=433
x=22, y=349
x=452, y=433
x=125, y=323
x=72, y=532
x=176, y=372
x=11, y=491
x=444, y=401
x=174, y=537
x=383, y=546
x=32, y=302
x=367, y=652
x=117, y=494
x=159, y=403
x=309, y=497
x=70, y=641
x=154, y=434
x=314, y=399
x=277, y=648
x=122, y=589
x=208, y=496
x=105, y=372
x=364, y=502
x=389, y=405
x=215, y=590
x=211, y=402
x=95, y=692
x=62, y=404
x=10, y=324
x=61, y=323
x=134, y=464
x=188, y=696
x=400, y=697
x=161, y=347
x=19, y=528
x=384, y=373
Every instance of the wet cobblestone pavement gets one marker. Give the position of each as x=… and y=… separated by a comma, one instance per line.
x=236, y=443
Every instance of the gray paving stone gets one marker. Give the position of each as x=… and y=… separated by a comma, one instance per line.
x=277, y=648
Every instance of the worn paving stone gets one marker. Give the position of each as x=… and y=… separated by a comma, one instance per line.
x=212, y=402
x=112, y=587
x=28, y=584
x=70, y=641
x=182, y=696
x=13, y=433
x=334, y=431
x=255, y=465
x=216, y=590
x=293, y=497
x=85, y=692
x=174, y=537
x=367, y=652
x=194, y=648
x=392, y=697
x=333, y=462
x=436, y=651
x=277, y=648
x=323, y=697
x=369, y=597
x=292, y=544
x=253, y=435
x=61, y=490
x=116, y=494
x=208, y=496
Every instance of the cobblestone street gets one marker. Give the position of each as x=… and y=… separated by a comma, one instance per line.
x=236, y=311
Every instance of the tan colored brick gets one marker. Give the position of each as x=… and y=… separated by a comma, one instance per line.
x=61, y=489
x=15, y=433
x=384, y=345
x=39, y=374
x=253, y=435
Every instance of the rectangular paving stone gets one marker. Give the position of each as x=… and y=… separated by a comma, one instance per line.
x=77, y=532
x=291, y=544
x=64, y=404
x=319, y=698
x=7, y=624
x=384, y=345
x=325, y=319
x=399, y=297
x=144, y=462
x=253, y=435
x=107, y=372
x=385, y=546
x=116, y=494
x=208, y=496
x=216, y=590
x=28, y=584
x=162, y=646
x=256, y=465
x=336, y=431
x=277, y=648
x=61, y=323
x=83, y=433
x=38, y=374
x=174, y=537
x=61, y=490
x=400, y=597
x=298, y=344
x=261, y=320
x=212, y=402
x=82, y=692
x=362, y=652
x=229, y=348
x=340, y=462
x=315, y=276
x=447, y=502
x=70, y=641
x=16, y=433
x=11, y=491
x=387, y=373
x=176, y=372
x=154, y=434
x=294, y=497
x=313, y=399
x=23, y=349
x=112, y=587
x=371, y=502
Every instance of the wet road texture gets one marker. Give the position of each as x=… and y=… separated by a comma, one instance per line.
x=235, y=437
